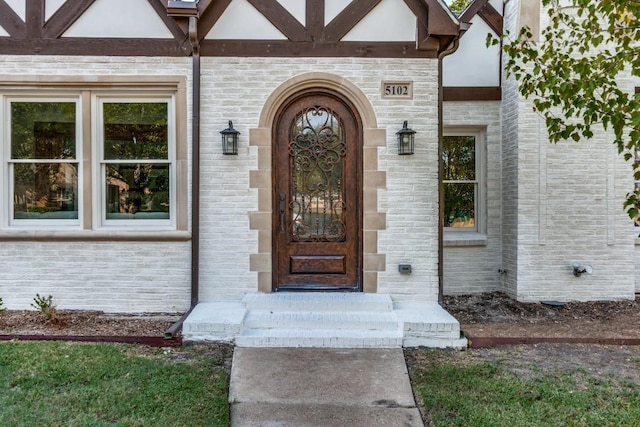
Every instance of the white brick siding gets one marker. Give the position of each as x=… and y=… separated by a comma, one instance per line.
x=562, y=204
x=475, y=269
x=108, y=276
x=101, y=278
x=231, y=91
x=112, y=276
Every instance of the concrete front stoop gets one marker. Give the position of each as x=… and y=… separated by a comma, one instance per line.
x=322, y=319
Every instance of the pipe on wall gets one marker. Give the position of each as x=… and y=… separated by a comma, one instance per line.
x=195, y=178
x=195, y=163
x=441, y=56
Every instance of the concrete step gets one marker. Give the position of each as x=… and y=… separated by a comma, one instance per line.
x=214, y=321
x=318, y=301
x=323, y=320
x=340, y=338
x=333, y=320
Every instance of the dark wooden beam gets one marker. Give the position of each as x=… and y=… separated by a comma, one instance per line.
x=282, y=48
x=11, y=22
x=347, y=19
x=493, y=18
x=472, y=93
x=315, y=19
x=90, y=46
x=421, y=11
x=637, y=89
x=488, y=13
x=472, y=10
x=440, y=22
x=34, y=13
x=65, y=17
x=281, y=19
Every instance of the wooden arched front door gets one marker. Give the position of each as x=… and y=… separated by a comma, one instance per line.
x=317, y=215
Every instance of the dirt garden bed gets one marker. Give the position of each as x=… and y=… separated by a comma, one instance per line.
x=497, y=315
x=488, y=315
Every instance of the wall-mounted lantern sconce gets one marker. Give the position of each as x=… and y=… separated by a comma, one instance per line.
x=229, y=140
x=406, y=138
x=579, y=269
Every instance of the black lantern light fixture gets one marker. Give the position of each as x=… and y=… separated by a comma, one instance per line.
x=406, y=137
x=229, y=140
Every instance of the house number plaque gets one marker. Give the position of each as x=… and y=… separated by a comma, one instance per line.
x=397, y=90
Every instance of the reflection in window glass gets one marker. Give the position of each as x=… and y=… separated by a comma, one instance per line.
x=136, y=152
x=460, y=184
x=135, y=131
x=140, y=188
x=43, y=165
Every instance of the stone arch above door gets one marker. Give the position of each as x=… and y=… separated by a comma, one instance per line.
x=373, y=178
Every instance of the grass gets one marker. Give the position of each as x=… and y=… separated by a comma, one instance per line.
x=472, y=393
x=72, y=384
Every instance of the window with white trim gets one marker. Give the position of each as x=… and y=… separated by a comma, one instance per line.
x=463, y=180
x=43, y=168
x=136, y=158
x=127, y=170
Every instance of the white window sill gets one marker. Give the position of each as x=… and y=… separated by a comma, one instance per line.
x=95, y=235
x=464, y=239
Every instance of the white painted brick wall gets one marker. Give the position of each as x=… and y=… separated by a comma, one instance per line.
x=569, y=209
x=107, y=276
x=231, y=91
x=509, y=112
x=475, y=269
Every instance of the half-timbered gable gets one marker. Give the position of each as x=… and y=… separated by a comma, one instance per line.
x=363, y=28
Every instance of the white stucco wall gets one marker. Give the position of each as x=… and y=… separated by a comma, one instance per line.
x=112, y=276
x=140, y=20
x=473, y=64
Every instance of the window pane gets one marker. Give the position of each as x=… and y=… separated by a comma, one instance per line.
x=135, y=131
x=459, y=158
x=43, y=130
x=45, y=191
x=137, y=191
x=459, y=205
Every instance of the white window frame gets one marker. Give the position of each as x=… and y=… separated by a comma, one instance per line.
x=89, y=226
x=6, y=164
x=99, y=163
x=480, y=193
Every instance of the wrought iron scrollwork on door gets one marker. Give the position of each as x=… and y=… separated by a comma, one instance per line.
x=317, y=151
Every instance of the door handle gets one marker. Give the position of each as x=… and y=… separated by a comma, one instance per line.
x=282, y=207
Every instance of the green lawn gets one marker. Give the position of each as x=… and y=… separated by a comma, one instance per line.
x=462, y=391
x=72, y=384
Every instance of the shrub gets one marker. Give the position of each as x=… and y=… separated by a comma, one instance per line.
x=46, y=307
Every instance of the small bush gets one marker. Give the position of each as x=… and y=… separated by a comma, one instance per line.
x=46, y=307
x=2, y=307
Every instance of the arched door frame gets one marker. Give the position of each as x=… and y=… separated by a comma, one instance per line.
x=372, y=178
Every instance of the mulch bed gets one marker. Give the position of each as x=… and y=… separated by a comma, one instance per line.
x=495, y=319
x=80, y=325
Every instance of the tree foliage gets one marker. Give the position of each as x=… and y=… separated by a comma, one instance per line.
x=459, y=5
x=573, y=73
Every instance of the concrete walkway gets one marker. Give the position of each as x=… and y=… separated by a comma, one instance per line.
x=321, y=387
